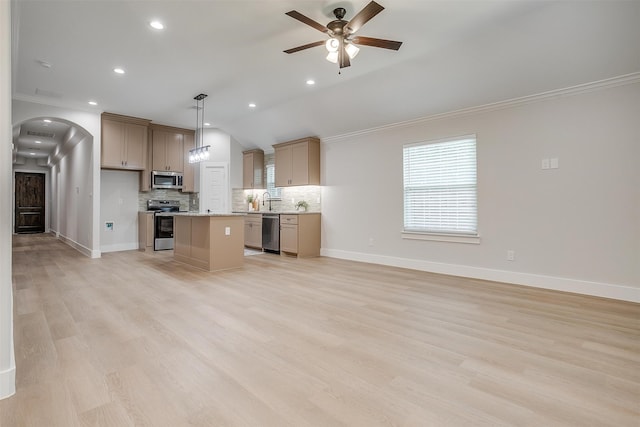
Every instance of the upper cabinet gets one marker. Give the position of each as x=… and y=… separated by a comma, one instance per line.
x=297, y=162
x=167, y=149
x=188, y=178
x=124, y=142
x=253, y=169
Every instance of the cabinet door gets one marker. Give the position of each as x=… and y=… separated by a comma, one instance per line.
x=247, y=170
x=159, y=142
x=135, y=146
x=283, y=166
x=150, y=226
x=188, y=178
x=112, y=144
x=299, y=164
x=289, y=238
x=174, y=152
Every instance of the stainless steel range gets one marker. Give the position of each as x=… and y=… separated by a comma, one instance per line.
x=163, y=222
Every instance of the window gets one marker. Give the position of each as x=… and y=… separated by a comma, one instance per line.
x=271, y=181
x=440, y=195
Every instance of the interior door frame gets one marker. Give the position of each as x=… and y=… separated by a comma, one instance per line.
x=47, y=196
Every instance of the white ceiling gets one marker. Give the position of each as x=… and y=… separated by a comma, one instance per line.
x=456, y=54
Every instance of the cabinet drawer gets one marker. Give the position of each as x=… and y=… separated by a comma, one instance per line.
x=288, y=219
x=253, y=219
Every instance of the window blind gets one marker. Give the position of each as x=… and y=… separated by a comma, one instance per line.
x=440, y=194
x=271, y=182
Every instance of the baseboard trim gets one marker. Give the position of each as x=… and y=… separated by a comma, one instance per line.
x=78, y=247
x=120, y=247
x=8, y=382
x=605, y=290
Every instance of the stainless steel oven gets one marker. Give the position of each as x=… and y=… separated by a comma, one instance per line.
x=163, y=222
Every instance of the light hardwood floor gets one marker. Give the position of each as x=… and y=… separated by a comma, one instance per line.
x=135, y=339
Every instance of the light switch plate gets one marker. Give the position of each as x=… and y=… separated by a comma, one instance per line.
x=545, y=163
x=554, y=163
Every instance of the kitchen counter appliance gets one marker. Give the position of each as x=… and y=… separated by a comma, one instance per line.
x=166, y=180
x=163, y=224
x=271, y=233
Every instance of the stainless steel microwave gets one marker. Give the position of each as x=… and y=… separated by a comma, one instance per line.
x=165, y=179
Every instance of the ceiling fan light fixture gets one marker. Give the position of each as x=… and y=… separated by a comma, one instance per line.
x=352, y=50
x=333, y=57
x=332, y=45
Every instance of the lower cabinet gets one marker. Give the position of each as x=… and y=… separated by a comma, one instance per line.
x=253, y=231
x=145, y=231
x=300, y=235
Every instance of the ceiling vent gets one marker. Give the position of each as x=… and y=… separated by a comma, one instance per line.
x=41, y=134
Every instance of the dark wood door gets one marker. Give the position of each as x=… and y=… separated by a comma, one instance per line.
x=30, y=202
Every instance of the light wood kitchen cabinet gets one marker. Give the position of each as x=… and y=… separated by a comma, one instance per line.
x=300, y=235
x=253, y=231
x=297, y=162
x=209, y=242
x=124, y=142
x=253, y=169
x=167, y=150
x=145, y=231
x=188, y=177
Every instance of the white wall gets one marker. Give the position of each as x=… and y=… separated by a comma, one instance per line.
x=7, y=360
x=575, y=228
x=77, y=178
x=119, y=204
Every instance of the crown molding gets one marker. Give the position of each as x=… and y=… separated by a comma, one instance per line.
x=626, y=79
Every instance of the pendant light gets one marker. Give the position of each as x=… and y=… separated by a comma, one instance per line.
x=200, y=152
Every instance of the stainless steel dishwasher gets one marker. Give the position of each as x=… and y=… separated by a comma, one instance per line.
x=271, y=232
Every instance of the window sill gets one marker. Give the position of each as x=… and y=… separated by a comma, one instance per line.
x=452, y=238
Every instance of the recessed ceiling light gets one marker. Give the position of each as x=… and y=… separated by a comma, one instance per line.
x=311, y=82
x=252, y=105
x=47, y=121
x=157, y=25
x=38, y=142
x=93, y=103
x=33, y=154
x=207, y=124
x=118, y=70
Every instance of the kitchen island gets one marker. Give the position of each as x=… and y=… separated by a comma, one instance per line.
x=209, y=241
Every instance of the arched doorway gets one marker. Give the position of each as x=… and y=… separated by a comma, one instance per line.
x=61, y=152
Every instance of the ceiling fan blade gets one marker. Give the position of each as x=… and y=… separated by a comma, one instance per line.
x=305, y=20
x=370, y=41
x=369, y=11
x=303, y=47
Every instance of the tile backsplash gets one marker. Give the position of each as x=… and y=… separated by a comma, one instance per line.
x=289, y=197
x=188, y=201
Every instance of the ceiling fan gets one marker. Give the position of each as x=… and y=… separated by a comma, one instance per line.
x=342, y=41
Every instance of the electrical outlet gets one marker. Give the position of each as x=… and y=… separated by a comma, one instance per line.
x=371, y=241
x=511, y=255
x=227, y=231
x=554, y=163
x=545, y=164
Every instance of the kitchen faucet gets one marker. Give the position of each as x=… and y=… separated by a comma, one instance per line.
x=267, y=193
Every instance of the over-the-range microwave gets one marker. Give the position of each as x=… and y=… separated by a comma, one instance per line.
x=166, y=179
